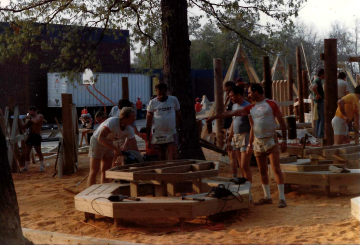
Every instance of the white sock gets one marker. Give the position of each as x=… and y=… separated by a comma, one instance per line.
x=281, y=192
x=266, y=191
x=250, y=196
x=27, y=164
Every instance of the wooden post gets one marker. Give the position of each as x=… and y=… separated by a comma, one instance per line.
x=267, y=77
x=331, y=90
x=125, y=88
x=68, y=133
x=219, y=100
x=305, y=88
x=299, y=81
x=290, y=87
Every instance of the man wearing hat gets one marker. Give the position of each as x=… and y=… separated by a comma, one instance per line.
x=198, y=105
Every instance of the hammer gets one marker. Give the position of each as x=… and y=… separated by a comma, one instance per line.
x=193, y=199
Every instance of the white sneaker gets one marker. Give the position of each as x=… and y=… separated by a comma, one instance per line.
x=24, y=170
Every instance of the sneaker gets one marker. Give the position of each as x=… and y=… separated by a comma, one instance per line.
x=282, y=203
x=263, y=201
x=41, y=169
x=24, y=170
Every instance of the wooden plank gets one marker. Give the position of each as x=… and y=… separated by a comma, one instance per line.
x=350, y=157
x=68, y=134
x=152, y=167
x=197, y=186
x=231, y=71
x=306, y=178
x=76, y=134
x=170, y=189
x=288, y=159
x=179, y=169
x=273, y=69
x=125, y=88
x=49, y=237
x=134, y=189
x=249, y=67
x=267, y=84
x=308, y=168
x=355, y=207
x=160, y=190
x=318, y=150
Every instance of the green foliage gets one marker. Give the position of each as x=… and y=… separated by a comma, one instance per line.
x=232, y=21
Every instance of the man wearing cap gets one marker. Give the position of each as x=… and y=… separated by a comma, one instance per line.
x=348, y=109
x=139, y=108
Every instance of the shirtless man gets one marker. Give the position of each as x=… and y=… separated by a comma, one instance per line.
x=34, y=125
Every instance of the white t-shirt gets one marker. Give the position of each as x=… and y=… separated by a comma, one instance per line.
x=113, y=123
x=343, y=88
x=263, y=115
x=164, y=114
x=115, y=112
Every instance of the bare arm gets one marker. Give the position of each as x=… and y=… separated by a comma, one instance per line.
x=131, y=144
x=227, y=114
x=39, y=118
x=356, y=122
x=341, y=105
x=251, y=139
x=281, y=121
x=149, y=121
x=231, y=131
x=105, y=141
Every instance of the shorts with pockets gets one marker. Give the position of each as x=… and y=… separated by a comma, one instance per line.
x=98, y=150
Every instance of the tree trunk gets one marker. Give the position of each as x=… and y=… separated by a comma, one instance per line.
x=10, y=227
x=177, y=73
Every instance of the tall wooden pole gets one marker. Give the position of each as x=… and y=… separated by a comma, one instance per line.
x=331, y=89
x=290, y=87
x=68, y=134
x=267, y=77
x=299, y=81
x=305, y=89
x=219, y=100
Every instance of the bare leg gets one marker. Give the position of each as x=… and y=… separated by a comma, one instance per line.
x=162, y=153
x=339, y=139
x=275, y=164
x=233, y=162
x=27, y=152
x=105, y=165
x=94, y=169
x=263, y=167
x=244, y=160
x=38, y=152
x=172, y=151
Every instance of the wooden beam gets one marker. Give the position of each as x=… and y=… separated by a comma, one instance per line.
x=290, y=86
x=299, y=83
x=305, y=88
x=273, y=69
x=331, y=91
x=231, y=71
x=125, y=87
x=351, y=77
x=347, y=58
x=219, y=101
x=267, y=77
x=68, y=134
x=249, y=66
x=48, y=237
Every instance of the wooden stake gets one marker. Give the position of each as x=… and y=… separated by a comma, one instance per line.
x=299, y=81
x=68, y=134
x=219, y=101
x=331, y=90
x=125, y=88
x=267, y=77
x=305, y=88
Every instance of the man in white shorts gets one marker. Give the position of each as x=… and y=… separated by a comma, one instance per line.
x=263, y=139
x=239, y=135
x=348, y=109
x=102, y=149
x=162, y=113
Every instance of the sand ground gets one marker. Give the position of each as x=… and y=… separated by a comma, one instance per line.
x=310, y=218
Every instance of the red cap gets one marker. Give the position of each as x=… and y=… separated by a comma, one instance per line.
x=197, y=99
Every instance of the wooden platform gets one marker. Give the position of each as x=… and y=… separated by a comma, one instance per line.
x=94, y=200
x=321, y=178
x=355, y=207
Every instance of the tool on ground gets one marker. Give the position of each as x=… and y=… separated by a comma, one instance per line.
x=120, y=198
x=82, y=180
x=193, y=199
x=57, y=157
x=239, y=181
x=131, y=157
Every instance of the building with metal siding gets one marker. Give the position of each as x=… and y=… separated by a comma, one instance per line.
x=26, y=84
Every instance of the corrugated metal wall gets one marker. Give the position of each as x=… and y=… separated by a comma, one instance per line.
x=110, y=84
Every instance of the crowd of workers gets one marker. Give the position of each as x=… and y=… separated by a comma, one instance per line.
x=249, y=120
